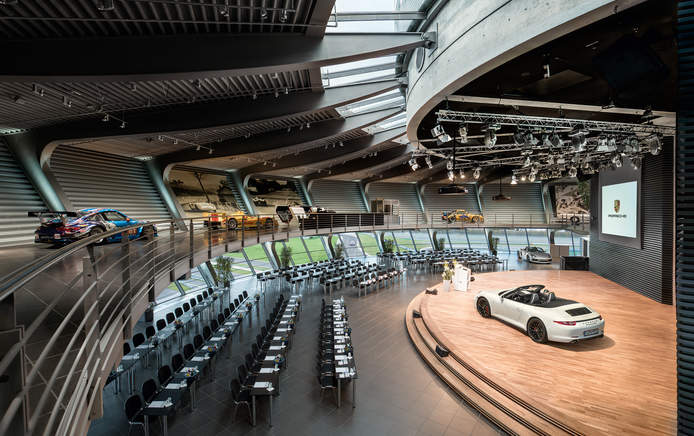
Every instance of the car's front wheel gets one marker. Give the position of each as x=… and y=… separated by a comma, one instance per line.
x=232, y=224
x=537, y=331
x=519, y=255
x=96, y=231
x=483, y=307
x=269, y=224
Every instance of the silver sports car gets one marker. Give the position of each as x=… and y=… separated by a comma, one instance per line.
x=534, y=255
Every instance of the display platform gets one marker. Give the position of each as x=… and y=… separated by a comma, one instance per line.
x=624, y=382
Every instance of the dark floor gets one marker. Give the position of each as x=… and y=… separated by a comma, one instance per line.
x=397, y=394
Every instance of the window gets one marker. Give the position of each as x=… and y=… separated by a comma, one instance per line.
x=369, y=243
x=458, y=238
x=478, y=239
x=240, y=267
x=422, y=240
x=114, y=216
x=517, y=239
x=502, y=245
x=404, y=240
x=256, y=256
x=351, y=245
x=299, y=254
x=539, y=238
x=316, y=248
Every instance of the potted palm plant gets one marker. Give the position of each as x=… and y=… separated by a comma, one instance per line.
x=223, y=267
x=285, y=256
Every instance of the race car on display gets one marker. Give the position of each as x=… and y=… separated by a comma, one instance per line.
x=534, y=255
x=544, y=317
x=62, y=227
x=462, y=215
x=234, y=220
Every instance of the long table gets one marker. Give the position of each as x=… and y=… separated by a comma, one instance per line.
x=345, y=365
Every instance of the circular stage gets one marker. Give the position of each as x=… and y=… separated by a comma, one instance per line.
x=624, y=382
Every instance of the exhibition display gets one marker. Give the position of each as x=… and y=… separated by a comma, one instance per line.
x=534, y=255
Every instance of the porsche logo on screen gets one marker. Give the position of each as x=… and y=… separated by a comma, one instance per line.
x=619, y=209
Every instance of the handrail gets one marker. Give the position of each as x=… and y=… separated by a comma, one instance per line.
x=121, y=276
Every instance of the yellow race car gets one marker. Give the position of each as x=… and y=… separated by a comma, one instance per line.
x=234, y=220
x=462, y=215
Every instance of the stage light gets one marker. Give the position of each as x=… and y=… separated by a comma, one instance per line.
x=518, y=137
x=122, y=124
x=160, y=138
x=263, y=13
x=284, y=16
x=531, y=177
x=556, y=140
x=451, y=175
x=413, y=164
x=514, y=180
x=527, y=162
x=197, y=148
x=476, y=173
x=210, y=152
x=636, y=162
x=530, y=139
x=175, y=141
x=428, y=162
x=572, y=172
x=449, y=165
x=277, y=94
x=654, y=145
x=612, y=143
x=461, y=173
x=462, y=131
x=102, y=5
x=550, y=160
x=635, y=145
x=617, y=160
x=439, y=133
x=490, y=138
x=106, y=118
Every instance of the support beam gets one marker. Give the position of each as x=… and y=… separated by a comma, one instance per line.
x=159, y=58
x=279, y=140
x=315, y=157
x=319, y=18
x=392, y=156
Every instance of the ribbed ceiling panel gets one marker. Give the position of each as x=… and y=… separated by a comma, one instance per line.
x=525, y=205
x=434, y=203
x=337, y=195
x=406, y=193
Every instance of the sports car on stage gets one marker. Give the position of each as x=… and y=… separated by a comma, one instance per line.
x=233, y=220
x=534, y=255
x=461, y=215
x=66, y=227
x=544, y=317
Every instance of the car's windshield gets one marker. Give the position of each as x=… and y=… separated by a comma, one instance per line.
x=536, y=250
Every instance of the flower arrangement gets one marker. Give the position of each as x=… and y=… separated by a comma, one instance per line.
x=239, y=315
x=178, y=323
x=448, y=271
x=249, y=305
x=192, y=372
x=211, y=348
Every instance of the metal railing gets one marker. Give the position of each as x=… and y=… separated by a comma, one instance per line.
x=72, y=308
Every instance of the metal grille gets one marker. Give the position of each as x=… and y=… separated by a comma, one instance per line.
x=406, y=193
x=337, y=195
x=30, y=19
x=434, y=203
x=525, y=203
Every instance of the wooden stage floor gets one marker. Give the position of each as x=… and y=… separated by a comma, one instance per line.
x=624, y=383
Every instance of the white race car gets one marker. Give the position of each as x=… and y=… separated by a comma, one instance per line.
x=534, y=255
x=543, y=316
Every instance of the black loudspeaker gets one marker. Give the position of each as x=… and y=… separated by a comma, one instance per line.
x=431, y=291
x=416, y=314
x=441, y=351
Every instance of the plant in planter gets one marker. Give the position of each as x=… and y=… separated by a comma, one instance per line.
x=388, y=245
x=285, y=256
x=439, y=244
x=223, y=267
x=339, y=251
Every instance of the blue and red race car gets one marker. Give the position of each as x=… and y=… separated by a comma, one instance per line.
x=65, y=227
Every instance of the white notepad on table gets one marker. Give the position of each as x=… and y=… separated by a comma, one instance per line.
x=157, y=404
x=269, y=358
x=260, y=385
x=176, y=386
x=266, y=370
x=197, y=359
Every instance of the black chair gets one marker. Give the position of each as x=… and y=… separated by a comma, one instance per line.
x=240, y=396
x=149, y=331
x=193, y=303
x=258, y=354
x=138, y=340
x=244, y=378
x=149, y=390
x=205, y=295
x=197, y=341
x=188, y=351
x=214, y=325
x=126, y=348
x=206, y=333
x=164, y=375
x=220, y=319
x=177, y=362
x=179, y=312
x=262, y=344
x=200, y=299
x=327, y=382
x=245, y=294
x=232, y=307
x=133, y=412
x=170, y=317
x=263, y=332
x=161, y=324
x=236, y=302
x=251, y=365
x=227, y=313
x=186, y=307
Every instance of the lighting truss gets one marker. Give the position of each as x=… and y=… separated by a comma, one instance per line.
x=551, y=124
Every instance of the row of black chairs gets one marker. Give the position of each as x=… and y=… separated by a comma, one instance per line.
x=325, y=359
x=248, y=371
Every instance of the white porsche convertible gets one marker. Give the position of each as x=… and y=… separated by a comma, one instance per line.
x=543, y=316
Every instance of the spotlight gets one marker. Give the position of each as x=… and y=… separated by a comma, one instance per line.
x=439, y=133
x=617, y=160
x=572, y=172
x=476, y=173
x=636, y=162
x=518, y=137
x=514, y=180
x=490, y=138
x=550, y=160
x=523, y=178
x=449, y=165
x=413, y=164
x=428, y=162
x=286, y=91
x=197, y=148
x=308, y=125
x=160, y=138
x=555, y=140
x=175, y=141
x=211, y=151
x=527, y=162
x=531, y=177
x=342, y=144
x=530, y=139
x=612, y=143
x=263, y=13
x=106, y=118
x=224, y=10
x=654, y=145
x=284, y=16
x=123, y=124
x=462, y=131
x=451, y=176
x=102, y=5
x=635, y=145
x=461, y=173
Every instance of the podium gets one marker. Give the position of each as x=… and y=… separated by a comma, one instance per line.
x=461, y=278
